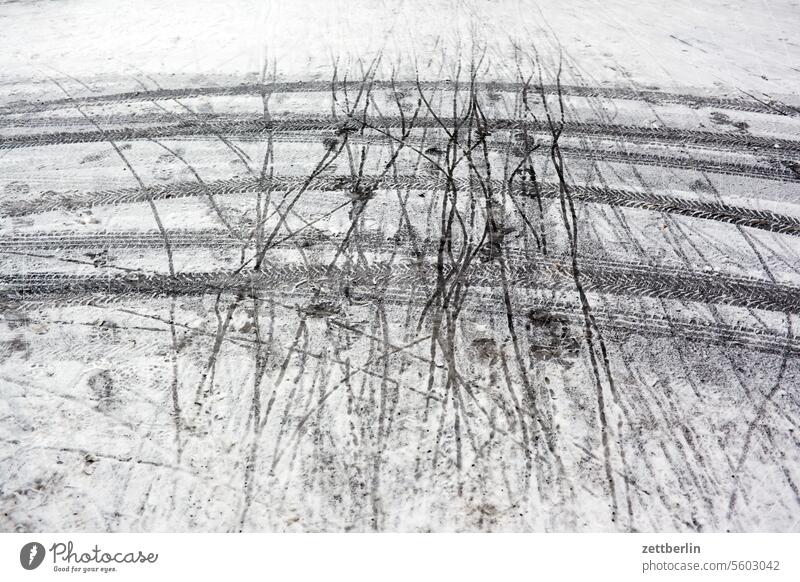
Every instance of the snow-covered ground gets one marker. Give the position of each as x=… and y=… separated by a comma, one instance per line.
x=399, y=266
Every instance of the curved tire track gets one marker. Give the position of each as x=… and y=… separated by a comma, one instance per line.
x=605, y=277
x=160, y=125
x=715, y=211
x=101, y=291
x=654, y=97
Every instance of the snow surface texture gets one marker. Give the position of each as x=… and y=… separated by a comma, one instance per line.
x=400, y=266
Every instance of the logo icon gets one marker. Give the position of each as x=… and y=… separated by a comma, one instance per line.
x=31, y=555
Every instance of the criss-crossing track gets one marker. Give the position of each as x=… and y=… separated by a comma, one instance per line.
x=379, y=303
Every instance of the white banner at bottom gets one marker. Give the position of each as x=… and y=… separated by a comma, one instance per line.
x=400, y=557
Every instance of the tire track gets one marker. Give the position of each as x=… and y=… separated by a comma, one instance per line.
x=715, y=211
x=654, y=97
x=160, y=125
x=605, y=277
x=528, y=263
x=619, y=321
x=781, y=171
